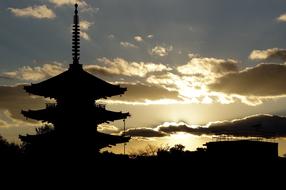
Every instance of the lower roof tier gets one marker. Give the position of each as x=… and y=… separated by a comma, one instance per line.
x=75, y=82
x=93, y=115
x=55, y=139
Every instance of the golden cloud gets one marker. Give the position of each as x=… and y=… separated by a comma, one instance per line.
x=128, y=45
x=265, y=126
x=84, y=27
x=39, y=12
x=161, y=51
x=138, y=38
x=268, y=54
x=208, y=67
x=142, y=92
x=14, y=99
x=81, y=3
x=282, y=18
x=119, y=66
x=37, y=73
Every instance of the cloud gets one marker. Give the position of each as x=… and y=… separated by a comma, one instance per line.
x=161, y=51
x=144, y=132
x=282, y=18
x=263, y=80
x=39, y=12
x=81, y=3
x=37, y=73
x=119, y=66
x=264, y=126
x=173, y=127
x=8, y=121
x=107, y=128
x=150, y=36
x=167, y=80
x=142, y=92
x=185, y=87
x=14, y=99
x=84, y=27
x=269, y=54
x=193, y=55
x=268, y=126
x=128, y=45
x=191, y=89
x=111, y=36
x=208, y=66
x=138, y=38
x=2, y=76
x=84, y=6
x=4, y=124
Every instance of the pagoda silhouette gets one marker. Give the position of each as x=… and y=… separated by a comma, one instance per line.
x=75, y=115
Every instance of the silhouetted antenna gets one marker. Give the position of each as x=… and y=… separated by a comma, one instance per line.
x=76, y=36
x=124, y=127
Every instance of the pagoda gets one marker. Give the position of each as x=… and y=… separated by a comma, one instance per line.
x=75, y=114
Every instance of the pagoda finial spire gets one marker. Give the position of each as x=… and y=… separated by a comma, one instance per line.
x=76, y=37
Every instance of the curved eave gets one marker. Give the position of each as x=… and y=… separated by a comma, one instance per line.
x=113, y=116
x=101, y=139
x=59, y=92
x=108, y=140
x=36, y=115
x=75, y=82
x=48, y=115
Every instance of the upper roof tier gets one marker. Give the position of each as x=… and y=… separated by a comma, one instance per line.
x=75, y=82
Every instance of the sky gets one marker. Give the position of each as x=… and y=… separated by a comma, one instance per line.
x=191, y=67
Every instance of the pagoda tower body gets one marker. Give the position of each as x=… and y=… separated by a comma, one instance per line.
x=75, y=115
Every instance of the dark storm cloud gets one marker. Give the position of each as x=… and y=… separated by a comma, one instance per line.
x=266, y=126
x=262, y=80
x=141, y=92
x=174, y=129
x=144, y=132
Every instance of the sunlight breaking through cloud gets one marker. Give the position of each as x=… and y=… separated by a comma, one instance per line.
x=264, y=126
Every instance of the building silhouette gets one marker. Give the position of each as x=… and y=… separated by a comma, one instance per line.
x=242, y=150
x=75, y=115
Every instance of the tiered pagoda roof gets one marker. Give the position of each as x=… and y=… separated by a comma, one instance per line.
x=75, y=82
x=54, y=113
x=75, y=115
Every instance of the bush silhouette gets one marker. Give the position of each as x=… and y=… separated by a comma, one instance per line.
x=8, y=150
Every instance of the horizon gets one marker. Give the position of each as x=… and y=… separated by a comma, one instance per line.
x=189, y=67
